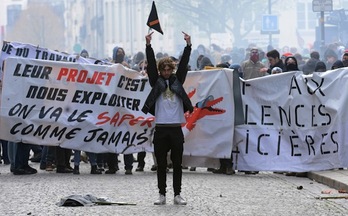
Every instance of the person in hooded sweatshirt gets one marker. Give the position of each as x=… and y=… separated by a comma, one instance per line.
x=308, y=67
x=320, y=66
x=84, y=53
x=118, y=56
x=337, y=64
x=291, y=64
x=330, y=57
x=205, y=63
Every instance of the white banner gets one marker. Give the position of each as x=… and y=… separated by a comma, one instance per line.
x=22, y=50
x=294, y=122
x=97, y=108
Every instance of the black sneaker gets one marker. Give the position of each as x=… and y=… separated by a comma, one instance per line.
x=219, y=171
x=7, y=162
x=36, y=158
x=110, y=171
x=101, y=168
x=251, y=172
x=95, y=170
x=63, y=170
x=301, y=174
x=30, y=169
x=42, y=166
x=76, y=170
x=139, y=169
x=20, y=172
x=26, y=171
x=69, y=168
x=230, y=171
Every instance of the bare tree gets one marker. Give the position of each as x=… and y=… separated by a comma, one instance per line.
x=218, y=16
x=39, y=25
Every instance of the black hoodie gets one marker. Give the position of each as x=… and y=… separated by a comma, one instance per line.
x=337, y=64
x=291, y=67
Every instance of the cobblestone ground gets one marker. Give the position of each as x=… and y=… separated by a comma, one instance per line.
x=206, y=193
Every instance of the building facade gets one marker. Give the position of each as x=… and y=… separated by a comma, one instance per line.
x=100, y=25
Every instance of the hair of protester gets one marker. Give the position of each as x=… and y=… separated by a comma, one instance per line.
x=314, y=55
x=273, y=53
x=165, y=61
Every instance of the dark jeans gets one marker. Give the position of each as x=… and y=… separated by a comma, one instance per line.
x=22, y=155
x=48, y=155
x=63, y=157
x=36, y=149
x=168, y=139
x=4, y=154
x=112, y=161
x=12, y=151
x=92, y=157
x=141, y=159
x=128, y=161
x=101, y=159
x=226, y=163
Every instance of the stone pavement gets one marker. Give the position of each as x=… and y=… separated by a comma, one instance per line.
x=206, y=193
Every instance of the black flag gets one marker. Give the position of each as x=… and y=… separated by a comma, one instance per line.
x=153, y=21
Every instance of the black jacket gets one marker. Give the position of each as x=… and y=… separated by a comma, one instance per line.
x=279, y=64
x=159, y=85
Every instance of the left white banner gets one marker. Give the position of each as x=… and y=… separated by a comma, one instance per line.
x=97, y=108
x=79, y=106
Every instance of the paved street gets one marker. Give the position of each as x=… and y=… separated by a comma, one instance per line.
x=206, y=193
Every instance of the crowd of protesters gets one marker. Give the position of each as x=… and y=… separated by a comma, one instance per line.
x=251, y=62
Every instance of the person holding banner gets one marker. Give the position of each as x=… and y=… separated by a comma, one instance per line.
x=168, y=101
x=252, y=67
x=274, y=61
x=291, y=64
x=141, y=67
x=345, y=59
x=118, y=56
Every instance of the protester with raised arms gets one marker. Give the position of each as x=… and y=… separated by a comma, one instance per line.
x=168, y=101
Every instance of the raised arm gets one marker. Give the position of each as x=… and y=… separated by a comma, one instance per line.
x=152, y=71
x=183, y=65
